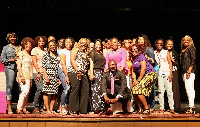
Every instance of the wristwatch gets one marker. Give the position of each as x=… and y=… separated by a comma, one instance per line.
x=38, y=72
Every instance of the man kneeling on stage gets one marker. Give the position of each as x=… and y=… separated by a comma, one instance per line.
x=114, y=88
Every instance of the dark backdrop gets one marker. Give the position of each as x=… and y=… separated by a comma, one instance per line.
x=104, y=19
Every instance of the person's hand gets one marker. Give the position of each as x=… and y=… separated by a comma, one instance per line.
x=79, y=75
x=23, y=80
x=170, y=78
x=107, y=70
x=188, y=75
x=107, y=100
x=92, y=77
x=114, y=100
x=47, y=81
x=135, y=83
x=38, y=78
x=67, y=80
x=172, y=60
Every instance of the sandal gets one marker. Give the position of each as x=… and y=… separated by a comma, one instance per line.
x=162, y=111
x=26, y=112
x=19, y=111
x=190, y=110
x=139, y=111
x=172, y=111
x=146, y=112
x=64, y=112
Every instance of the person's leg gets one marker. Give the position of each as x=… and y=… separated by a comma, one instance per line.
x=38, y=100
x=23, y=98
x=139, y=103
x=66, y=87
x=84, y=94
x=74, y=94
x=46, y=101
x=161, y=90
x=53, y=99
x=143, y=100
x=189, y=86
x=10, y=78
x=168, y=87
x=96, y=97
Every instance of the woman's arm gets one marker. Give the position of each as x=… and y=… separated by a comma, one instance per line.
x=143, y=70
x=19, y=68
x=170, y=65
x=124, y=58
x=63, y=64
x=73, y=58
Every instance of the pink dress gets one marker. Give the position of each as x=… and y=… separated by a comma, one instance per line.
x=119, y=56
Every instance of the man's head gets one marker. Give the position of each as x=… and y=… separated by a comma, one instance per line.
x=112, y=65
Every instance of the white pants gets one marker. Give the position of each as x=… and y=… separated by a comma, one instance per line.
x=23, y=97
x=189, y=86
x=164, y=84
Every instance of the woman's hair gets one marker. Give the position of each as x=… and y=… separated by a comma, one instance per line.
x=169, y=39
x=72, y=39
x=38, y=38
x=191, y=43
x=10, y=34
x=140, y=51
x=100, y=43
x=26, y=40
x=146, y=41
x=61, y=40
x=123, y=43
x=48, y=46
x=80, y=47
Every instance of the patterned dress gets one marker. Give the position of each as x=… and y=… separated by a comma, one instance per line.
x=144, y=87
x=50, y=63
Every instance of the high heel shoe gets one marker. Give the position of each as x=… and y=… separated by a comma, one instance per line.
x=146, y=112
x=190, y=110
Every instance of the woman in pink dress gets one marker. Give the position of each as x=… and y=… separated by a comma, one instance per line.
x=119, y=55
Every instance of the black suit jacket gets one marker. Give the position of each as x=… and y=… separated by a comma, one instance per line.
x=120, y=84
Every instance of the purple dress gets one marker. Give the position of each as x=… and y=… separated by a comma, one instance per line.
x=144, y=87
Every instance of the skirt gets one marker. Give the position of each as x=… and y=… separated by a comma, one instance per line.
x=144, y=87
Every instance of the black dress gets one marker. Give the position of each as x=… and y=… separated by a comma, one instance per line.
x=175, y=83
x=99, y=61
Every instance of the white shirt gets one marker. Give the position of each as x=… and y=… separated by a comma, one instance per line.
x=67, y=54
x=162, y=61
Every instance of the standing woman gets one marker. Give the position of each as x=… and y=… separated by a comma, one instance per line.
x=175, y=66
x=146, y=76
x=37, y=54
x=25, y=74
x=8, y=58
x=78, y=98
x=188, y=69
x=62, y=72
x=50, y=62
x=119, y=55
x=144, y=42
x=97, y=64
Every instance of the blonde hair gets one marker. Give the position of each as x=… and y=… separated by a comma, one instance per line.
x=78, y=45
x=191, y=43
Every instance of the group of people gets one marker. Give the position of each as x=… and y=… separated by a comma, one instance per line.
x=96, y=74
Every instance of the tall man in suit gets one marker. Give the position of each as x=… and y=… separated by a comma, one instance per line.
x=114, y=87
